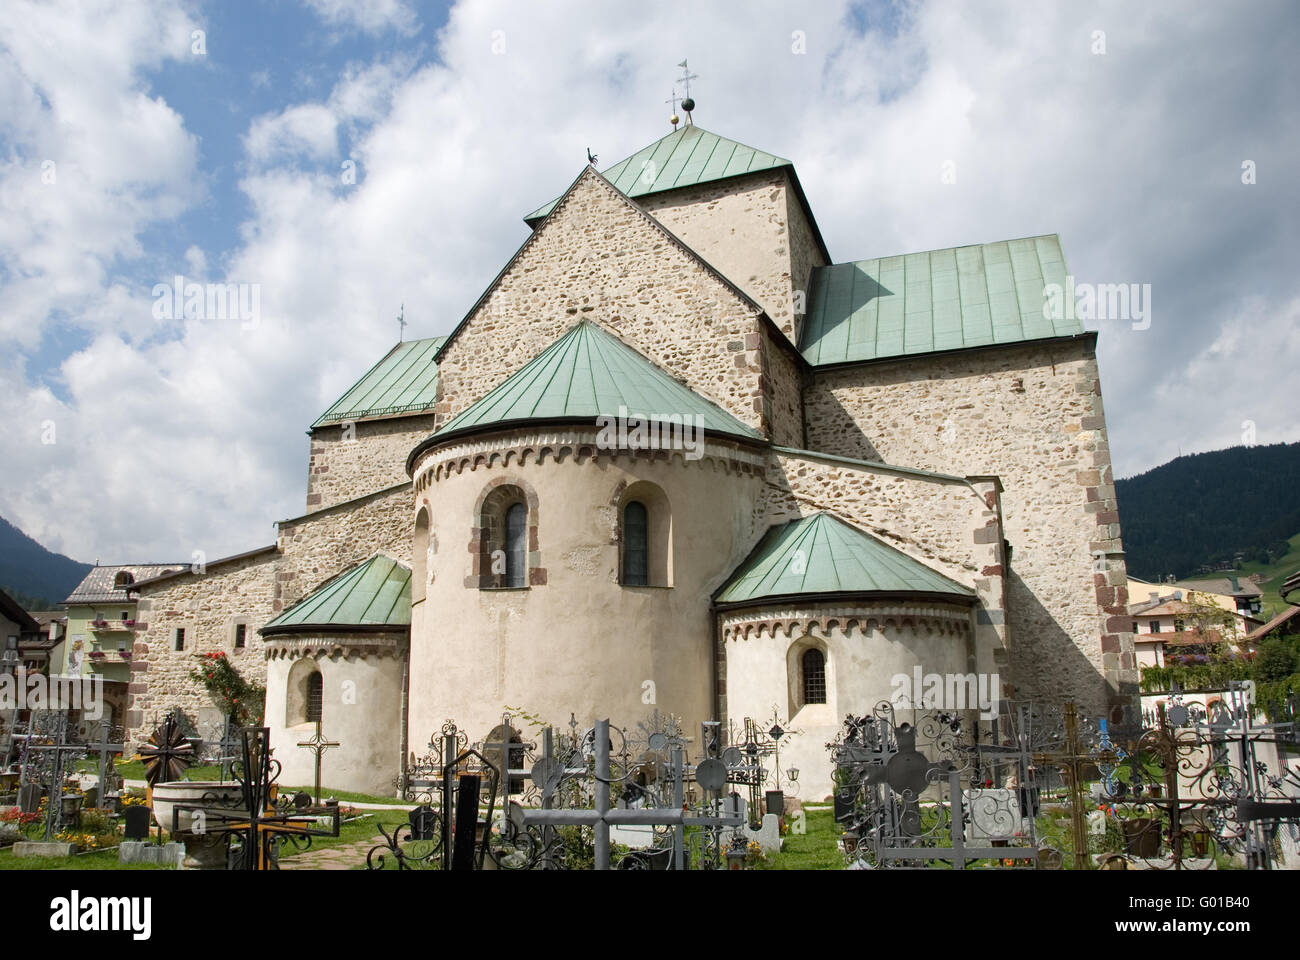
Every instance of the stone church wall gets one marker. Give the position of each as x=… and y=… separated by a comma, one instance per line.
x=1032, y=415
x=600, y=257
x=321, y=545
x=348, y=462
x=751, y=229
x=207, y=606
x=312, y=549
x=950, y=525
x=782, y=391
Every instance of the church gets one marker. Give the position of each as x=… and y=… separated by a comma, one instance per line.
x=677, y=457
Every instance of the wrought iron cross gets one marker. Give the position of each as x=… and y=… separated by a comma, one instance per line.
x=318, y=745
x=1071, y=760
x=256, y=823
x=105, y=751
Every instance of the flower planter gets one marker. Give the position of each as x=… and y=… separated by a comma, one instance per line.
x=202, y=852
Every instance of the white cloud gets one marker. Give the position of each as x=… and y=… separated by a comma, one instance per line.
x=370, y=16
x=193, y=440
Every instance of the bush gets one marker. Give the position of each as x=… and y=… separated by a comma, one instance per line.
x=1276, y=661
x=236, y=697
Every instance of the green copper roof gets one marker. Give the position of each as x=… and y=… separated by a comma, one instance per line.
x=684, y=158
x=404, y=381
x=589, y=373
x=938, y=300
x=822, y=554
x=376, y=593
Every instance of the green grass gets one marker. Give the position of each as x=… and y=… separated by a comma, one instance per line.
x=815, y=850
x=344, y=796
x=100, y=860
x=1273, y=574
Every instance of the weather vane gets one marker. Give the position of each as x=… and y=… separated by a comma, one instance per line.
x=401, y=324
x=685, y=79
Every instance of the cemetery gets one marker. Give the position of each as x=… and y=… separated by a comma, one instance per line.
x=1039, y=786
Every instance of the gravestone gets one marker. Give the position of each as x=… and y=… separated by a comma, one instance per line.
x=424, y=823
x=768, y=834
x=994, y=814
x=136, y=821
x=29, y=797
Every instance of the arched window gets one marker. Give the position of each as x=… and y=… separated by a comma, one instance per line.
x=507, y=538
x=304, y=694
x=516, y=545
x=123, y=579
x=315, y=697
x=636, y=545
x=645, y=536
x=420, y=556
x=813, y=669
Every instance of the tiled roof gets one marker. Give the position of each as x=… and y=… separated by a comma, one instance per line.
x=97, y=587
x=375, y=593
x=1222, y=586
x=946, y=299
x=1284, y=617
x=684, y=158
x=822, y=554
x=404, y=381
x=589, y=373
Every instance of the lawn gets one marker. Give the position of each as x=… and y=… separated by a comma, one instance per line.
x=99, y=860
x=1273, y=574
x=818, y=849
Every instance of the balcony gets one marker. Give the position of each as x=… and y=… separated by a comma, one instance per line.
x=111, y=626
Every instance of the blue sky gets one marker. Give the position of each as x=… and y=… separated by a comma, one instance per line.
x=127, y=159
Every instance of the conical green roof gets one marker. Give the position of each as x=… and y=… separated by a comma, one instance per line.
x=590, y=373
x=375, y=594
x=822, y=554
x=684, y=158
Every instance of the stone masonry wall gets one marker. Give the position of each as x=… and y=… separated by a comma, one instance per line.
x=598, y=256
x=347, y=461
x=312, y=549
x=1032, y=415
x=805, y=253
x=207, y=606
x=751, y=229
x=782, y=383
x=321, y=545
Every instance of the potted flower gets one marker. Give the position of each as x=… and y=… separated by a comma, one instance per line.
x=97, y=654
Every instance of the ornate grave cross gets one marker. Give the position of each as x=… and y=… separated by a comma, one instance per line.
x=45, y=753
x=602, y=816
x=256, y=823
x=105, y=750
x=167, y=753
x=317, y=745
x=1072, y=759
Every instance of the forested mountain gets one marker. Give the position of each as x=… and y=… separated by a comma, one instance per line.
x=1204, y=508
x=32, y=575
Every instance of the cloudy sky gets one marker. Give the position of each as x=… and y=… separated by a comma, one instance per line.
x=351, y=157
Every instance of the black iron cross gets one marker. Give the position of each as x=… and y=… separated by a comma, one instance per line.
x=256, y=823
x=318, y=745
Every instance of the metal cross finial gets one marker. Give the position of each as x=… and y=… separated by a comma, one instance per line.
x=672, y=102
x=401, y=324
x=686, y=78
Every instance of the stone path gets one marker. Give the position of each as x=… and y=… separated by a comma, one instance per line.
x=345, y=857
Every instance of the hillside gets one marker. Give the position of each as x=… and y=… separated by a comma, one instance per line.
x=1207, y=508
x=35, y=577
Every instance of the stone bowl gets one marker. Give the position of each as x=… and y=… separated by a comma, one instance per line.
x=204, y=792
